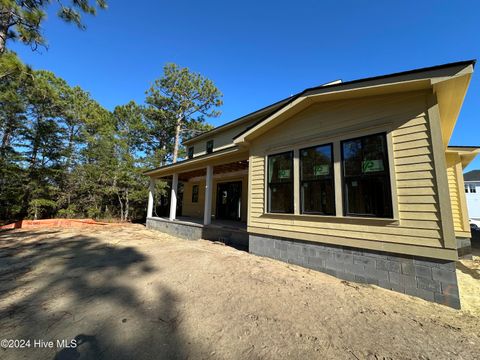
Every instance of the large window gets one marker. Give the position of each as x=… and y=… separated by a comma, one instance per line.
x=280, y=183
x=316, y=180
x=190, y=152
x=366, y=177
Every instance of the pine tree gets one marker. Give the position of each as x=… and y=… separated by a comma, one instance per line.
x=22, y=20
x=181, y=100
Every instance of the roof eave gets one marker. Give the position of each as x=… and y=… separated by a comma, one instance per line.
x=466, y=153
x=423, y=77
x=235, y=122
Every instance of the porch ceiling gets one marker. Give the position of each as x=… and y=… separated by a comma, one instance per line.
x=217, y=159
x=219, y=169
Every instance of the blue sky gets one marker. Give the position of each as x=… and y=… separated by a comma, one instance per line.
x=258, y=52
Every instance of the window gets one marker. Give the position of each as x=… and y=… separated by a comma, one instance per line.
x=466, y=188
x=366, y=177
x=209, y=146
x=317, y=190
x=280, y=183
x=195, y=194
x=190, y=152
x=473, y=189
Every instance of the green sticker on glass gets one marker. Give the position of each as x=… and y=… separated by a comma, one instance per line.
x=372, y=166
x=319, y=170
x=284, y=174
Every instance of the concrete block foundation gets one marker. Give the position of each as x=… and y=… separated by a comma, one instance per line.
x=237, y=238
x=429, y=279
x=464, y=247
x=189, y=232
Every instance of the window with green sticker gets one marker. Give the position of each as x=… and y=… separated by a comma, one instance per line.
x=280, y=183
x=366, y=178
x=317, y=190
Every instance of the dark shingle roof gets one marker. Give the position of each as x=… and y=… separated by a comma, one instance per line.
x=473, y=175
x=339, y=85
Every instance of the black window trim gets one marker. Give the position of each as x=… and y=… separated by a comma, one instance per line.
x=292, y=182
x=193, y=193
x=387, y=171
x=206, y=146
x=304, y=181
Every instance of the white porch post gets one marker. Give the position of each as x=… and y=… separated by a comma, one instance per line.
x=151, y=190
x=173, y=197
x=207, y=213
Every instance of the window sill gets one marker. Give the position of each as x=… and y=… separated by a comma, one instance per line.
x=334, y=219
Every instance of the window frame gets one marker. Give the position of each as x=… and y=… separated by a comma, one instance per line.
x=387, y=172
x=268, y=183
x=195, y=198
x=207, y=147
x=190, y=152
x=301, y=182
x=472, y=189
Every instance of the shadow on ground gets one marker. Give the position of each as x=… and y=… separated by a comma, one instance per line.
x=474, y=273
x=106, y=298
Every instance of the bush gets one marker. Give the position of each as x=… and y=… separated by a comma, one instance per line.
x=68, y=213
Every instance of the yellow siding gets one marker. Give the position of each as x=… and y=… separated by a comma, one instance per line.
x=222, y=139
x=405, y=117
x=457, y=195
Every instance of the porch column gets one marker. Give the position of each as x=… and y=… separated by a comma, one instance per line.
x=173, y=197
x=151, y=190
x=207, y=212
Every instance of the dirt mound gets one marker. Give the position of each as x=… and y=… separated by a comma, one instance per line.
x=53, y=223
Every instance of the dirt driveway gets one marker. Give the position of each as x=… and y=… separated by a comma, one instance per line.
x=130, y=293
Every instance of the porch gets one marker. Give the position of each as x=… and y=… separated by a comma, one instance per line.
x=202, y=202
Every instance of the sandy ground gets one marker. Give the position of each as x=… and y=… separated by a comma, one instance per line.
x=468, y=274
x=130, y=293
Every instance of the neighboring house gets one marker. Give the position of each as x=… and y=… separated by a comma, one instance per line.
x=472, y=192
x=354, y=179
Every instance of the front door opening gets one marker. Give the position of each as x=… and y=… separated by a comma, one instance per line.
x=229, y=200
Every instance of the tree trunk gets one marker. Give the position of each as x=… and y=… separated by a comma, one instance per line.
x=5, y=23
x=32, y=173
x=35, y=146
x=7, y=132
x=177, y=139
x=125, y=217
x=3, y=39
x=5, y=141
x=121, y=206
x=71, y=133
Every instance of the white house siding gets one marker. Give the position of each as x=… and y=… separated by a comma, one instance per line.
x=473, y=200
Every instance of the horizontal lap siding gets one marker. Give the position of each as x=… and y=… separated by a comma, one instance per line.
x=221, y=139
x=414, y=170
x=452, y=187
x=257, y=185
x=194, y=210
x=452, y=174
